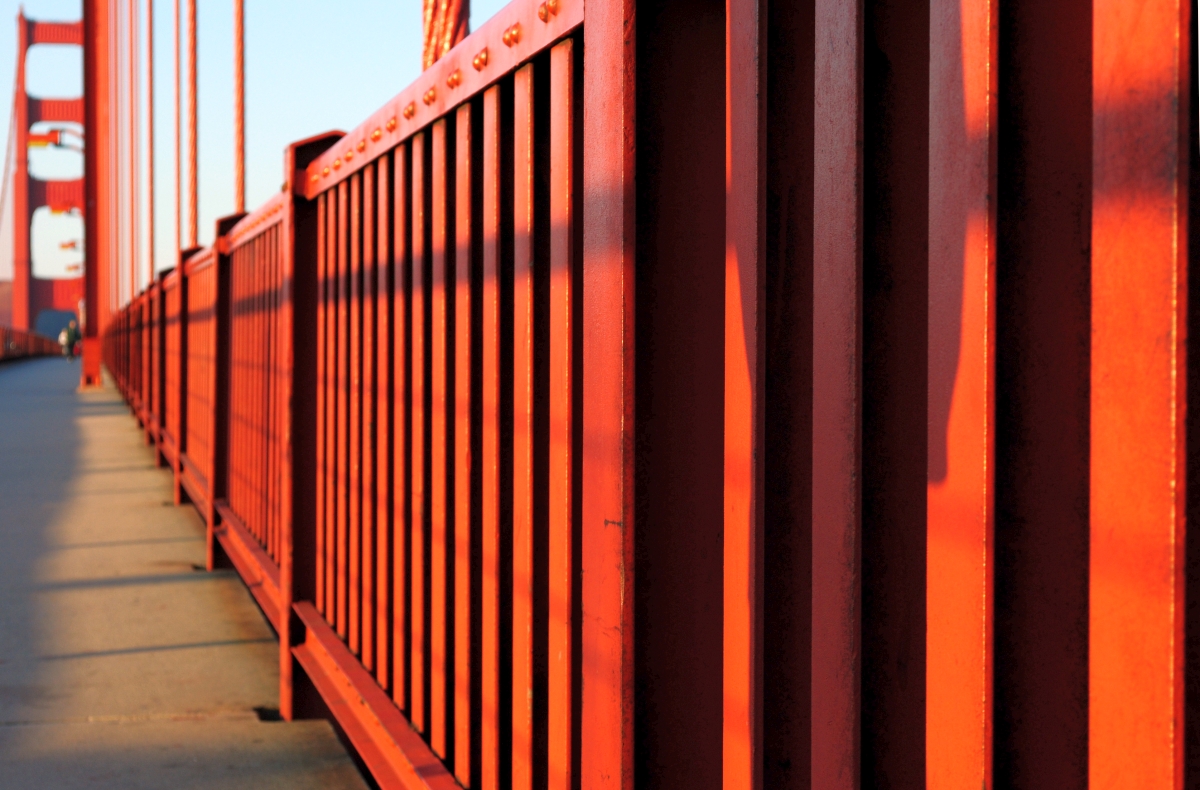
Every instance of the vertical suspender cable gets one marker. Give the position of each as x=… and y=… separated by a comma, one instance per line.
x=178, y=141
x=193, y=191
x=239, y=103
x=131, y=45
x=150, y=268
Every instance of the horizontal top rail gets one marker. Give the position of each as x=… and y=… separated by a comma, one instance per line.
x=517, y=32
x=256, y=221
x=201, y=259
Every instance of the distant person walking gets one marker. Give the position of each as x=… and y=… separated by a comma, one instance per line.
x=68, y=338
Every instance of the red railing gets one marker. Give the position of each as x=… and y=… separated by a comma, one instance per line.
x=199, y=284
x=175, y=374
x=256, y=503
x=18, y=344
x=781, y=456
x=399, y=249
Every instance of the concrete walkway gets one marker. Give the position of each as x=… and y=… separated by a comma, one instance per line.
x=122, y=663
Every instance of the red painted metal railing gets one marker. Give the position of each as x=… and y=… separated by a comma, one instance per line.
x=18, y=344
x=846, y=443
x=257, y=482
x=199, y=284
x=174, y=349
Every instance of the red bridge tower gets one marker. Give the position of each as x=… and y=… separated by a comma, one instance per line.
x=31, y=295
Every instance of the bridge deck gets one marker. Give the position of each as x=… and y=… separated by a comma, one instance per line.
x=121, y=664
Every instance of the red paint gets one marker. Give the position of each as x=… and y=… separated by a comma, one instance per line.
x=463, y=442
x=1141, y=90
x=523, y=429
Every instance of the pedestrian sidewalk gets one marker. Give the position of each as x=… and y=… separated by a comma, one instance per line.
x=122, y=663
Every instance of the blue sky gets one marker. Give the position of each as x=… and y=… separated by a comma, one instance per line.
x=311, y=65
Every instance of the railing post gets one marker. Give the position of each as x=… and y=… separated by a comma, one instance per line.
x=159, y=327
x=297, y=557
x=219, y=384
x=609, y=240
x=181, y=382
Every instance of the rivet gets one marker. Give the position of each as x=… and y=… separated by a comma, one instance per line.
x=337, y=163
x=543, y=14
x=325, y=172
x=349, y=154
x=430, y=96
x=512, y=35
x=315, y=178
x=552, y=7
x=480, y=60
x=455, y=79
x=408, y=113
x=362, y=145
x=375, y=135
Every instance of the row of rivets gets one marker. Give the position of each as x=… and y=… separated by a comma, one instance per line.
x=511, y=37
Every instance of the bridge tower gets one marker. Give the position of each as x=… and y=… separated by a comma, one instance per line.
x=31, y=295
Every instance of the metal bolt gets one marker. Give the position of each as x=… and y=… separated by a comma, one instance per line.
x=512, y=35
x=362, y=145
x=325, y=172
x=349, y=154
x=337, y=164
x=480, y=60
x=430, y=96
x=315, y=178
x=391, y=124
x=375, y=135
x=455, y=79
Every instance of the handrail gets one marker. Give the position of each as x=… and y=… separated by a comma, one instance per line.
x=512, y=37
x=254, y=223
x=19, y=344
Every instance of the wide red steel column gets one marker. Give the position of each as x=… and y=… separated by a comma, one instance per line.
x=606, y=739
x=837, y=395
x=97, y=182
x=523, y=432
x=464, y=443
x=962, y=155
x=439, y=435
x=417, y=384
x=745, y=84
x=561, y=550
x=401, y=373
x=490, y=391
x=1141, y=87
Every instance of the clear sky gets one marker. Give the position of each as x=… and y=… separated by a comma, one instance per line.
x=311, y=65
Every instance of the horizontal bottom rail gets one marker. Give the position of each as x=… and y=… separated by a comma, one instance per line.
x=255, y=566
x=194, y=483
x=168, y=447
x=391, y=748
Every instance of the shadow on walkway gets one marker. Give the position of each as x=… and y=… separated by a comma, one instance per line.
x=121, y=664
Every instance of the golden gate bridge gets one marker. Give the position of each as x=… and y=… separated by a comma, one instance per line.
x=758, y=394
